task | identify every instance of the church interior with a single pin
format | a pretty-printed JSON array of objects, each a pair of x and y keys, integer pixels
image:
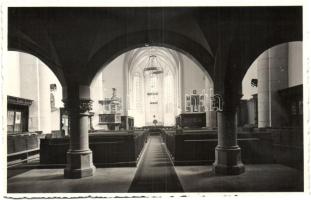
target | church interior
[{"x": 162, "y": 99}]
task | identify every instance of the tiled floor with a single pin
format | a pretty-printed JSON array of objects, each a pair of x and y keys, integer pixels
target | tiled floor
[
  {"x": 156, "y": 174},
  {"x": 52, "y": 181},
  {"x": 257, "y": 178}
]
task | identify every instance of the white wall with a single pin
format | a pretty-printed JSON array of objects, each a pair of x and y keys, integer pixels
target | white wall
[
  {"x": 29, "y": 78},
  {"x": 294, "y": 64},
  {"x": 112, "y": 77},
  {"x": 44, "y": 98},
  {"x": 193, "y": 77},
  {"x": 96, "y": 95},
  {"x": 247, "y": 89},
  {"x": 294, "y": 70},
  {"x": 29, "y": 86},
  {"x": 13, "y": 74},
  {"x": 55, "y": 120},
  {"x": 285, "y": 61}
]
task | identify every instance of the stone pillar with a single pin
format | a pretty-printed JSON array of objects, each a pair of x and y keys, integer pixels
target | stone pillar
[
  {"x": 228, "y": 85},
  {"x": 264, "y": 119},
  {"x": 227, "y": 152},
  {"x": 79, "y": 156},
  {"x": 278, "y": 64},
  {"x": 272, "y": 68}
]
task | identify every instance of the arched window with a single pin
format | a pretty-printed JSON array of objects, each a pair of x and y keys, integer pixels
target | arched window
[
  {"x": 153, "y": 83},
  {"x": 169, "y": 104},
  {"x": 169, "y": 93},
  {"x": 137, "y": 88}
]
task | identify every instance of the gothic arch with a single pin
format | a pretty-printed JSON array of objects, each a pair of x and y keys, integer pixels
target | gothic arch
[
  {"x": 161, "y": 38},
  {"x": 22, "y": 45}
]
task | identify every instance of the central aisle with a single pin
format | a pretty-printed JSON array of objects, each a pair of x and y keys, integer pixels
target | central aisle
[{"x": 155, "y": 172}]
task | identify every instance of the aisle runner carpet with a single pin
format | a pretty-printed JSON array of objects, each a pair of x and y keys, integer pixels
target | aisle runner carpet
[{"x": 155, "y": 172}]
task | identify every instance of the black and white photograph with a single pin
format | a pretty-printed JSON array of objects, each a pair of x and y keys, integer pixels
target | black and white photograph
[{"x": 154, "y": 99}]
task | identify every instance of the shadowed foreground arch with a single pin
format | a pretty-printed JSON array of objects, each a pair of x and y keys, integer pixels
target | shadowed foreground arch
[
  {"x": 131, "y": 41},
  {"x": 20, "y": 44},
  {"x": 291, "y": 34}
]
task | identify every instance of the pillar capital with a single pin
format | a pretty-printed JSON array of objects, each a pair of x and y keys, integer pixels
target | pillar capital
[
  {"x": 80, "y": 105},
  {"x": 85, "y": 105}
]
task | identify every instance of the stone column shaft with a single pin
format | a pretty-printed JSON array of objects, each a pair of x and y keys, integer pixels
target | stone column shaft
[
  {"x": 228, "y": 86},
  {"x": 227, "y": 128},
  {"x": 79, "y": 126},
  {"x": 79, "y": 156},
  {"x": 227, "y": 152},
  {"x": 272, "y": 68},
  {"x": 264, "y": 119}
]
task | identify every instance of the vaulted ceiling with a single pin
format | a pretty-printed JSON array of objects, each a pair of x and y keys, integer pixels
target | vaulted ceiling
[
  {"x": 165, "y": 58},
  {"x": 76, "y": 42}
]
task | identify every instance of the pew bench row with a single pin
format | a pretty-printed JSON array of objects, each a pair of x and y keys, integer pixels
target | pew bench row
[
  {"x": 109, "y": 149},
  {"x": 196, "y": 147}
]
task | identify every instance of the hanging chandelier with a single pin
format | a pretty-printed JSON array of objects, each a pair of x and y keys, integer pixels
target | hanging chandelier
[
  {"x": 153, "y": 66},
  {"x": 158, "y": 72}
]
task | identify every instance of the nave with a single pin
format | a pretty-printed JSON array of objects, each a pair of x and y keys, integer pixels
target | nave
[
  {"x": 155, "y": 172},
  {"x": 86, "y": 86}
]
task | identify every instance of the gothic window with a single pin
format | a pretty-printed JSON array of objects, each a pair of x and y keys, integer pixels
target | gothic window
[
  {"x": 169, "y": 93},
  {"x": 153, "y": 83},
  {"x": 137, "y": 92}
]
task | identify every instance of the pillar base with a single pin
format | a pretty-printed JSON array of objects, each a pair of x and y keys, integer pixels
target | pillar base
[
  {"x": 228, "y": 161},
  {"x": 79, "y": 164}
]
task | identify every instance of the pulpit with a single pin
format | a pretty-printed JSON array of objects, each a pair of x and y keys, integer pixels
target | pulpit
[
  {"x": 112, "y": 112},
  {"x": 112, "y": 121}
]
